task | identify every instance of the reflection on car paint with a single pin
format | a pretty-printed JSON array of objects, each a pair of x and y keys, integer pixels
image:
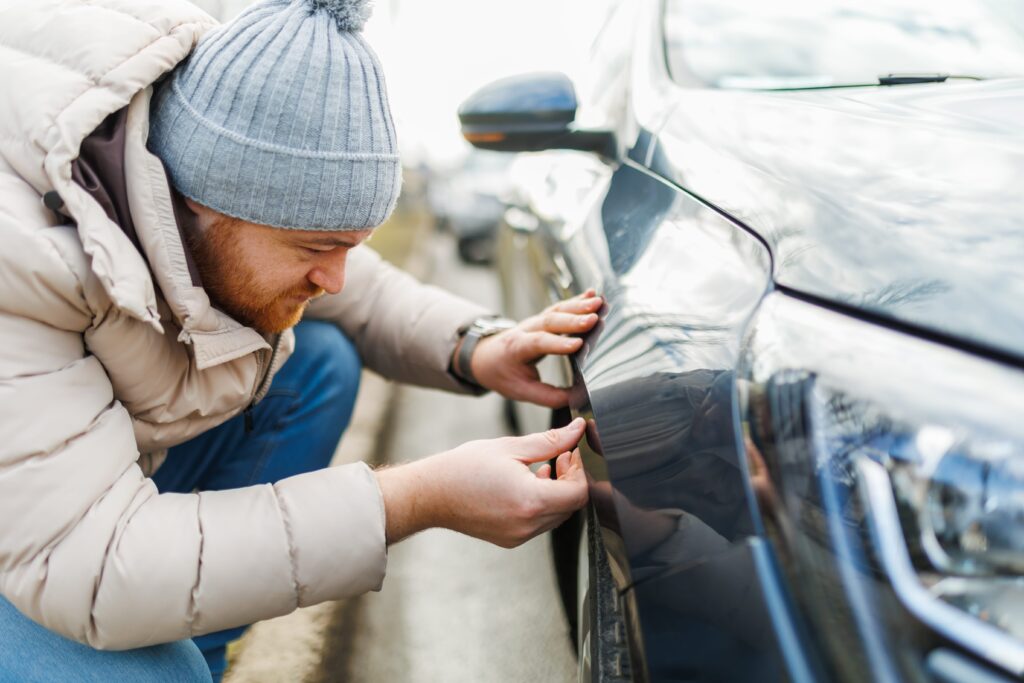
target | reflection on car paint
[
  {"x": 914, "y": 223},
  {"x": 667, "y": 485}
]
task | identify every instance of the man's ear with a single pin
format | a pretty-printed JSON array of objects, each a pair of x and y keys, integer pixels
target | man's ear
[
  {"x": 202, "y": 216},
  {"x": 194, "y": 207}
]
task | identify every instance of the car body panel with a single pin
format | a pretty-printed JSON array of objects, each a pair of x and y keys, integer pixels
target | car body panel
[
  {"x": 657, "y": 380},
  {"x": 716, "y": 620},
  {"x": 901, "y": 203},
  {"x": 654, "y": 384}
]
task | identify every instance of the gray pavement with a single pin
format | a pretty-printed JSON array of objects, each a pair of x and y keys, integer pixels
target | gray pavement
[{"x": 453, "y": 608}]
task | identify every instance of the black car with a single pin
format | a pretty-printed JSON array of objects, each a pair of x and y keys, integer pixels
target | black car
[{"x": 805, "y": 397}]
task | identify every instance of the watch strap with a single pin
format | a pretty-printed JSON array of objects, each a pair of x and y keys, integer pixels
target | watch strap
[
  {"x": 480, "y": 328},
  {"x": 462, "y": 365}
]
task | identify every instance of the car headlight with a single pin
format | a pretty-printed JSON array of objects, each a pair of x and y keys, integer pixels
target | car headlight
[{"x": 910, "y": 448}]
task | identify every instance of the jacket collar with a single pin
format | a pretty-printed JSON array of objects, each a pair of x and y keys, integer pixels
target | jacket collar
[{"x": 217, "y": 337}]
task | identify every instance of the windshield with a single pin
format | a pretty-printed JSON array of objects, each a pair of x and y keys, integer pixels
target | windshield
[{"x": 822, "y": 43}]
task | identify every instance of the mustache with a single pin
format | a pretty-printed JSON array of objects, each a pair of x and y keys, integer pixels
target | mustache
[{"x": 305, "y": 292}]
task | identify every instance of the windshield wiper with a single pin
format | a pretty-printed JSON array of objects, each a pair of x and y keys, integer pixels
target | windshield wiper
[
  {"x": 908, "y": 79},
  {"x": 889, "y": 79}
]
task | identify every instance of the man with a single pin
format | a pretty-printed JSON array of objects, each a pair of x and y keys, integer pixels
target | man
[{"x": 165, "y": 428}]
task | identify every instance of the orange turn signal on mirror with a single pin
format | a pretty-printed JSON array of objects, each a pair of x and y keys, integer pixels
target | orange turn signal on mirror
[{"x": 484, "y": 137}]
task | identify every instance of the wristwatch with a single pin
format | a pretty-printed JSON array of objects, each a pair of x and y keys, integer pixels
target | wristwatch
[{"x": 471, "y": 335}]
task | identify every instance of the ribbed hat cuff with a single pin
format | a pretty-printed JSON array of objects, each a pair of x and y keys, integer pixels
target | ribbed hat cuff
[{"x": 271, "y": 184}]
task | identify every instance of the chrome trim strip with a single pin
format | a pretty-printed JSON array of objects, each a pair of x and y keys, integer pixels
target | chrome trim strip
[{"x": 988, "y": 641}]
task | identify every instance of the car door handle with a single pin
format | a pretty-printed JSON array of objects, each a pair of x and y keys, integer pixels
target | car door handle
[{"x": 521, "y": 221}]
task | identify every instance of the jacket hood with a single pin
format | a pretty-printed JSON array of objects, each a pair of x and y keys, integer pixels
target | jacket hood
[
  {"x": 110, "y": 73},
  {"x": 82, "y": 84}
]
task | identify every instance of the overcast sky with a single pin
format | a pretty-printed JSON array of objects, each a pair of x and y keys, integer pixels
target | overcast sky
[{"x": 436, "y": 52}]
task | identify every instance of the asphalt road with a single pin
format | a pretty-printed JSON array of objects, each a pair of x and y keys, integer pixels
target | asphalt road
[{"x": 453, "y": 608}]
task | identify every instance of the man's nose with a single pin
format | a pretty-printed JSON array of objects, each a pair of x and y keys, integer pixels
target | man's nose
[{"x": 329, "y": 273}]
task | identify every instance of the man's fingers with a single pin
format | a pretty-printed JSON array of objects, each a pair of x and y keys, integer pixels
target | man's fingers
[
  {"x": 560, "y": 322},
  {"x": 562, "y": 464},
  {"x": 588, "y": 293},
  {"x": 534, "y": 345},
  {"x": 541, "y": 394},
  {"x": 544, "y": 471},
  {"x": 589, "y": 304},
  {"x": 577, "y": 306},
  {"x": 568, "y": 492},
  {"x": 546, "y": 445}
]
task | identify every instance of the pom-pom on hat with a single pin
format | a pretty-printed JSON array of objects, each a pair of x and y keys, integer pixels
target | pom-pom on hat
[
  {"x": 281, "y": 118},
  {"x": 351, "y": 15}
]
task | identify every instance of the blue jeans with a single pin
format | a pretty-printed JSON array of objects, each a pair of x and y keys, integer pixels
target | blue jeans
[{"x": 294, "y": 429}]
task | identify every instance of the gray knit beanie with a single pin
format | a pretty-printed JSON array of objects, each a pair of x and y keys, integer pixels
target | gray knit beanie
[{"x": 280, "y": 117}]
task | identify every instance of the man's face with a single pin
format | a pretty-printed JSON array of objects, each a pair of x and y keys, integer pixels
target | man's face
[{"x": 264, "y": 277}]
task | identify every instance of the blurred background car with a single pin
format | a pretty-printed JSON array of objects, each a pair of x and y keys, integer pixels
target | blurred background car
[
  {"x": 804, "y": 439},
  {"x": 468, "y": 200}
]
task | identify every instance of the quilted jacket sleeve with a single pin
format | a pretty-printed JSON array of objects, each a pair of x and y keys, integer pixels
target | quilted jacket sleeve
[
  {"x": 88, "y": 547},
  {"x": 404, "y": 330}
]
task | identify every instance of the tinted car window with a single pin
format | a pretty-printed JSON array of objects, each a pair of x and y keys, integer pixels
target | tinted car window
[{"x": 799, "y": 44}]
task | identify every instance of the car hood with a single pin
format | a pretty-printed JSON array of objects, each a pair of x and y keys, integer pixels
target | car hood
[{"x": 905, "y": 203}]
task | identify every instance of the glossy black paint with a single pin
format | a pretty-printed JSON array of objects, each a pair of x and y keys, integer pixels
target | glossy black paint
[
  {"x": 680, "y": 282},
  {"x": 902, "y": 203},
  {"x": 656, "y": 382},
  {"x": 708, "y": 621}
]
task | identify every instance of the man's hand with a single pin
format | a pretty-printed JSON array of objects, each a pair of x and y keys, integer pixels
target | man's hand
[
  {"x": 506, "y": 362},
  {"x": 486, "y": 489}
]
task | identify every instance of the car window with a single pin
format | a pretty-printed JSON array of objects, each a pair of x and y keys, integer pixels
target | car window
[{"x": 800, "y": 44}]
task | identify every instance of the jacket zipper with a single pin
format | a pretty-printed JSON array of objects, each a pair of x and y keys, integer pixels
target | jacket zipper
[{"x": 263, "y": 386}]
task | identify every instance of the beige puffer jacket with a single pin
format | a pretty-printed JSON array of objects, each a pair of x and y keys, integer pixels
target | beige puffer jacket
[{"x": 100, "y": 360}]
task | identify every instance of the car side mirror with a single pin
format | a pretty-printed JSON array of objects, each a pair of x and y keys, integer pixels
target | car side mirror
[{"x": 529, "y": 113}]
